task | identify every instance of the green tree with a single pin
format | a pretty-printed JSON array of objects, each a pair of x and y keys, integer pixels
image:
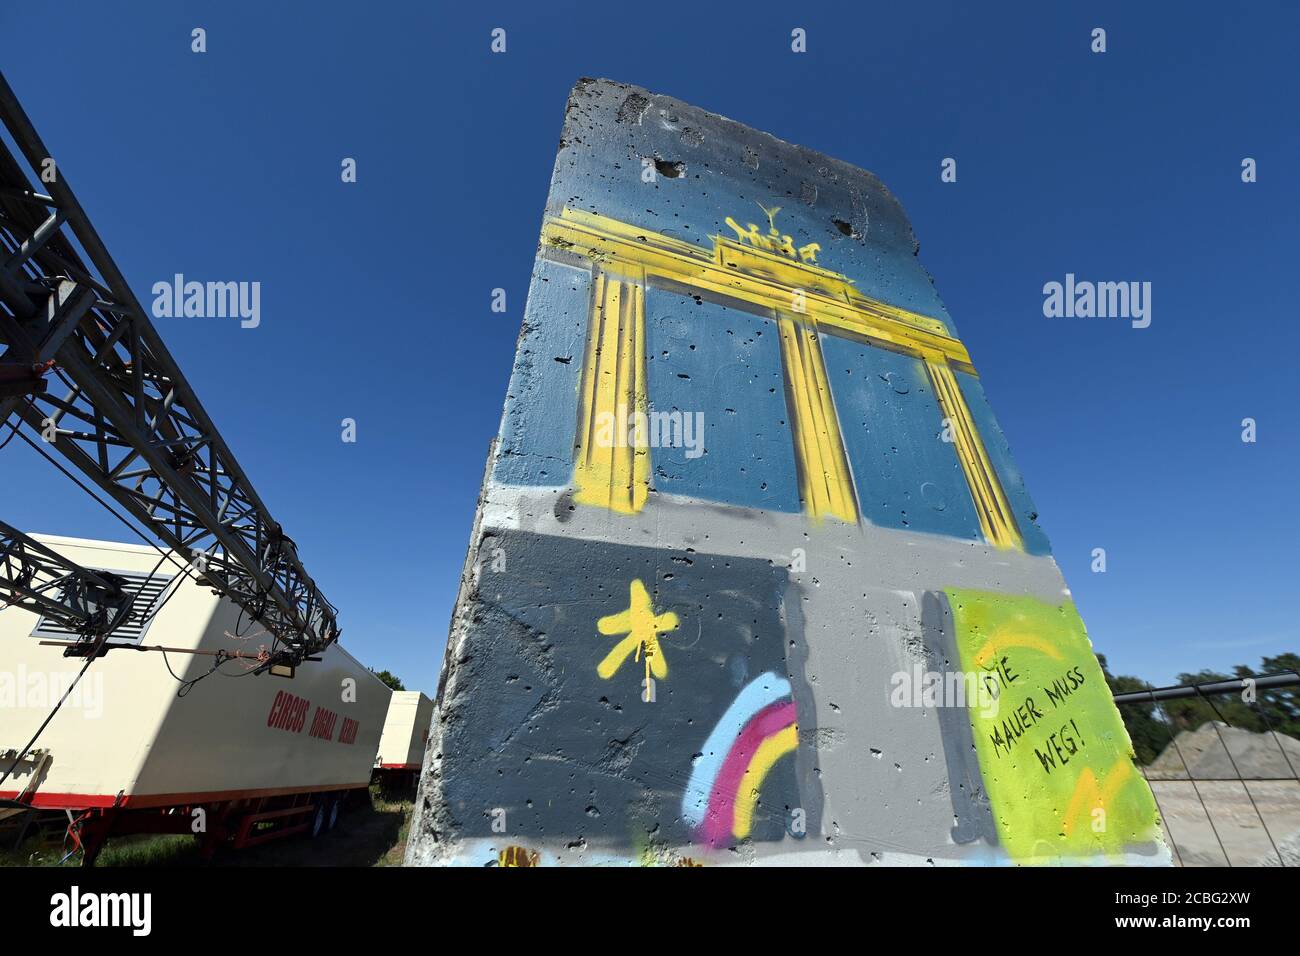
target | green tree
[
  {"x": 390, "y": 679},
  {"x": 1149, "y": 734},
  {"x": 1151, "y": 726},
  {"x": 1280, "y": 707},
  {"x": 1193, "y": 712}
]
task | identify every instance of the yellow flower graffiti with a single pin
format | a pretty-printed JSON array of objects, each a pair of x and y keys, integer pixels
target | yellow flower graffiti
[{"x": 642, "y": 626}]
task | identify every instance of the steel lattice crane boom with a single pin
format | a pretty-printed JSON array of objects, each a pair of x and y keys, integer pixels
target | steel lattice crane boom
[
  {"x": 128, "y": 420},
  {"x": 38, "y": 578}
]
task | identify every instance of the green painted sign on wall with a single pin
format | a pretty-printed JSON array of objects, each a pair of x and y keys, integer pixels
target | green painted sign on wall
[{"x": 1053, "y": 752}]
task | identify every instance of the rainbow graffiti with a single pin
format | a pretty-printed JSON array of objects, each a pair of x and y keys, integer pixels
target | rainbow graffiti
[{"x": 758, "y": 729}]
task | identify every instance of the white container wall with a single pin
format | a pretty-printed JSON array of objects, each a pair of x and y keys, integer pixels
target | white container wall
[
  {"x": 124, "y": 730},
  {"x": 405, "y": 731}
]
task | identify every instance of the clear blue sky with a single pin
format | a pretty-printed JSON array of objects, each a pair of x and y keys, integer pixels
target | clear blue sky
[{"x": 375, "y": 296}]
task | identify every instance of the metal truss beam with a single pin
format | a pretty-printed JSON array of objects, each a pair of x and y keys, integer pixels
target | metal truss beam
[
  {"x": 39, "y": 579},
  {"x": 128, "y": 419}
]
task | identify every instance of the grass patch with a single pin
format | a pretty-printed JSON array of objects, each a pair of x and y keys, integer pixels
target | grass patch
[{"x": 372, "y": 834}]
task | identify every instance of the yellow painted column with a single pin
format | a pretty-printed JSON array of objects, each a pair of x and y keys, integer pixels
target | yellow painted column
[
  {"x": 824, "y": 479},
  {"x": 996, "y": 518},
  {"x": 612, "y": 468}
]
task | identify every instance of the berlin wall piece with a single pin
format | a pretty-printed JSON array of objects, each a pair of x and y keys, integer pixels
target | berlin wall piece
[{"x": 754, "y": 578}]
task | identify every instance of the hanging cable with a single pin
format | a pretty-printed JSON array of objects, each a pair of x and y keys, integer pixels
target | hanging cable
[
  {"x": 13, "y": 426},
  {"x": 139, "y": 534},
  {"x": 188, "y": 685},
  {"x": 102, "y": 638},
  {"x": 46, "y": 722},
  {"x": 107, "y": 507}
]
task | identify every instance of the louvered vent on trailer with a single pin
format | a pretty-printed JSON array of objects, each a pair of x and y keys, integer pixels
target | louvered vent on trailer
[{"x": 146, "y": 591}]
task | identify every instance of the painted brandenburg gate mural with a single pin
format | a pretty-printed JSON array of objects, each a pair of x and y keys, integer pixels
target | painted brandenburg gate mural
[{"x": 754, "y": 578}]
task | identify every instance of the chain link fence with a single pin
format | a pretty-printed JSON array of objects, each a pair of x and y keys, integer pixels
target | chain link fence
[{"x": 1223, "y": 760}]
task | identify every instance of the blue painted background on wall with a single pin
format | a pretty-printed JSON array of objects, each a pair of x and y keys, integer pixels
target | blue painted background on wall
[
  {"x": 1000, "y": 455},
  {"x": 727, "y": 364},
  {"x": 704, "y": 357},
  {"x": 906, "y": 475},
  {"x": 537, "y": 427},
  {"x": 719, "y": 179}
]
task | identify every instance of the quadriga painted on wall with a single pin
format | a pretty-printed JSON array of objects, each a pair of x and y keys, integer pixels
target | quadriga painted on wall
[{"x": 754, "y": 577}]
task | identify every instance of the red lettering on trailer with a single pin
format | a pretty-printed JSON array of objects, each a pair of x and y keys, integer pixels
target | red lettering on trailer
[
  {"x": 288, "y": 712},
  {"x": 348, "y": 734},
  {"x": 275, "y": 709},
  {"x": 322, "y": 724}
]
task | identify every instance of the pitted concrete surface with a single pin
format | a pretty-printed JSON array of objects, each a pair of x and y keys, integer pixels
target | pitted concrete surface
[{"x": 666, "y": 653}]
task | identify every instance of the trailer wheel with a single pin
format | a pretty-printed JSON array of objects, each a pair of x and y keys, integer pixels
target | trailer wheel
[
  {"x": 318, "y": 820},
  {"x": 336, "y": 805}
]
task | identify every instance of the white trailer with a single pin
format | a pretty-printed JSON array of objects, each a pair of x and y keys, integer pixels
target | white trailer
[
  {"x": 406, "y": 731},
  {"x": 136, "y": 749}
]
